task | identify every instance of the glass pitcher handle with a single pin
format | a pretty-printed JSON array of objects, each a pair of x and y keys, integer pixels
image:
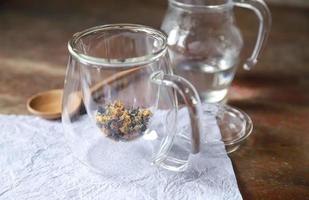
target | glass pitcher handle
[
  {"x": 191, "y": 99},
  {"x": 262, "y": 11}
]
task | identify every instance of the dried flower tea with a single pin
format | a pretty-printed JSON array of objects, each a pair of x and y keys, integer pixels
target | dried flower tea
[{"x": 120, "y": 123}]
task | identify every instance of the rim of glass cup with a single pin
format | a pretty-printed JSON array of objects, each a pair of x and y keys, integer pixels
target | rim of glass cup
[
  {"x": 128, "y": 62},
  {"x": 221, "y": 5}
]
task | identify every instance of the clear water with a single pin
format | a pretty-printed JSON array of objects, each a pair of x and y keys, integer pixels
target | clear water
[{"x": 211, "y": 82}]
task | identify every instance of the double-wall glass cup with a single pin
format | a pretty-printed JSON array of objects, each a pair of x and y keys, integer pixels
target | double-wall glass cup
[{"x": 120, "y": 101}]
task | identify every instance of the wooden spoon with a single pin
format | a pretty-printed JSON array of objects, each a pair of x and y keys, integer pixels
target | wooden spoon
[{"x": 48, "y": 104}]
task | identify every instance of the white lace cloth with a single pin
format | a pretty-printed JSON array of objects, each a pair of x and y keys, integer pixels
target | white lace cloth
[{"x": 36, "y": 164}]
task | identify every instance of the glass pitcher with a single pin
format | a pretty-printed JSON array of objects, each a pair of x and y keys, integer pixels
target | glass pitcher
[
  {"x": 119, "y": 103},
  {"x": 204, "y": 42}
]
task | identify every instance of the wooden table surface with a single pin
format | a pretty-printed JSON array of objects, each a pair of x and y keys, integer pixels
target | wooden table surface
[{"x": 272, "y": 164}]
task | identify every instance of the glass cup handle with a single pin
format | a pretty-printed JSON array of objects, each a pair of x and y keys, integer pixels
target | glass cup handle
[
  {"x": 191, "y": 99},
  {"x": 262, "y": 11}
]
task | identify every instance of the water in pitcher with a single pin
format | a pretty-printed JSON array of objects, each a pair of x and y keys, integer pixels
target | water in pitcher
[{"x": 211, "y": 80}]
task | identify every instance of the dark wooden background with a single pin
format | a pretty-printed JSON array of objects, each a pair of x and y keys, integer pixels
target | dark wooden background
[{"x": 272, "y": 164}]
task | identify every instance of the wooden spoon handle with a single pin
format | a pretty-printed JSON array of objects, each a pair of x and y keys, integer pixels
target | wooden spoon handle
[{"x": 113, "y": 78}]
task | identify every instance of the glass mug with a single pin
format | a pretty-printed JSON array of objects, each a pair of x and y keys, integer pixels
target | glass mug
[
  {"x": 120, "y": 103},
  {"x": 204, "y": 42}
]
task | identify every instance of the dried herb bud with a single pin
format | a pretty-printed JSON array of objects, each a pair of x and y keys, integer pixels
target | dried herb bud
[
  {"x": 101, "y": 110},
  {"x": 120, "y": 123}
]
